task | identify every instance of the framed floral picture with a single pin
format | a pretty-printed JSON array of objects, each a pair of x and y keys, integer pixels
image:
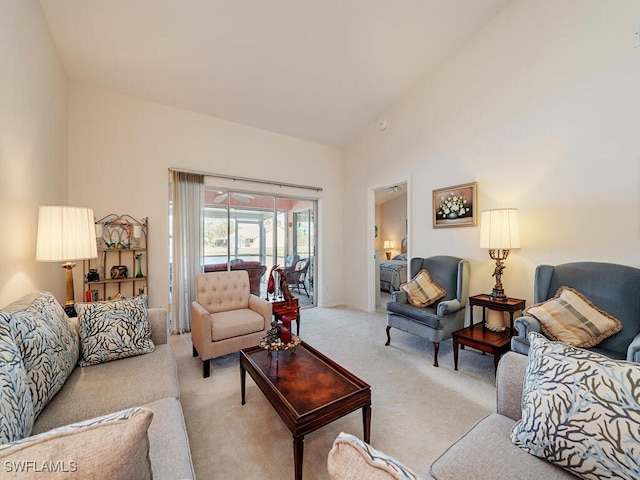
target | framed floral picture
[{"x": 455, "y": 206}]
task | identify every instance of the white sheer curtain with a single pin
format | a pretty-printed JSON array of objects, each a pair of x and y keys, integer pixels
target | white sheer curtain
[{"x": 188, "y": 202}]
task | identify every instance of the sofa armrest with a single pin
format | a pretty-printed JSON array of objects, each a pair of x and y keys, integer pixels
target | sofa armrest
[
  {"x": 525, "y": 325},
  {"x": 159, "y": 325},
  {"x": 352, "y": 459},
  {"x": 633, "y": 351},
  {"x": 448, "y": 306},
  {"x": 509, "y": 384},
  {"x": 263, "y": 307},
  {"x": 399, "y": 296}
]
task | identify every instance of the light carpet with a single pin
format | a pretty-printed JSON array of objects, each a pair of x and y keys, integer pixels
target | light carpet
[{"x": 418, "y": 410}]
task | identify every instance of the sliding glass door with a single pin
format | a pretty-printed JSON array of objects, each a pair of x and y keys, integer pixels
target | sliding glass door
[{"x": 254, "y": 231}]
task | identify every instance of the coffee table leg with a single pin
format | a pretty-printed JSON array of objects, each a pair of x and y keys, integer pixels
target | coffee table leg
[
  {"x": 366, "y": 422},
  {"x": 298, "y": 450},
  {"x": 243, "y": 377},
  {"x": 455, "y": 355}
]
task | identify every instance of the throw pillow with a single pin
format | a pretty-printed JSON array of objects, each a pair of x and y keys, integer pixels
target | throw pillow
[
  {"x": 111, "y": 446},
  {"x": 422, "y": 291},
  {"x": 113, "y": 329},
  {"x": 569, "y": 317},
  {"x": 16, "y": 404},
  {"x": 352, "y": 459},
  {"x": 48, "y": 345},
  {"x": 580, "y": 411}
]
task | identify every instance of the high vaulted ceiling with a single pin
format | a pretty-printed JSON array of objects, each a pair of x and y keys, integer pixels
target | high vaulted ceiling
[{"x": 320, "y": 70}]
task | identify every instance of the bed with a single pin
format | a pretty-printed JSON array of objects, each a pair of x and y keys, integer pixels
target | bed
[{"x": 393, "y": 273}]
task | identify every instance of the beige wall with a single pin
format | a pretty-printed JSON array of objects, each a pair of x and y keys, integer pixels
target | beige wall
[
  {"x": 540, "y": 108},
  {"x": 120, "y": 150},
  {"x": 33, "y": 146}
]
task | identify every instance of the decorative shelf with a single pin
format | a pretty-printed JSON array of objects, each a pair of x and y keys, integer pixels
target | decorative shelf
[{"x": 121, "y": 241}]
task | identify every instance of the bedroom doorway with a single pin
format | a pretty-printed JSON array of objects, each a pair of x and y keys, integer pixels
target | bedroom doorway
[{"x": 391, "y": 241}]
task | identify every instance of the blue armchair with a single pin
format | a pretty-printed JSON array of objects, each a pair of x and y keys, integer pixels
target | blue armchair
[
  {"x": 437, "y": 321},
  {"x": 610, "y": 287}
]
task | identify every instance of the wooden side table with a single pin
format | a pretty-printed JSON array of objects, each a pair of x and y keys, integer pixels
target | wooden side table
[
  {"x": 476, "y": 336},
  {"x": 480, "y": 337},
  {"x": 511, "y": 305},
  {"x": 282, "y": 308}
]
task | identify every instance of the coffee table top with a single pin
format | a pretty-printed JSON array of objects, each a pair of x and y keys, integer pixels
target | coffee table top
[{"x": 307, "y": 389}]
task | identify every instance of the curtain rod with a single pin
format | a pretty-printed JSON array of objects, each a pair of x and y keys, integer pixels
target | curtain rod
[{"x": 245, "y": 179}]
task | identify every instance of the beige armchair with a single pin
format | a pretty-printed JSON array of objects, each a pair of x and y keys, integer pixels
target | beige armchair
[{"x": 226, "y": 316}]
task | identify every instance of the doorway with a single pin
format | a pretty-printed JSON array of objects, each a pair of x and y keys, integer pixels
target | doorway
[{"x": 389, "y": 209}]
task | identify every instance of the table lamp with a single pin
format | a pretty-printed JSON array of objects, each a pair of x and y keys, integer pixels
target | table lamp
[
  {"x": 500, "y": 233},
  {"x": 65, "y": 234},
  {"x": 388, "y": 245}
]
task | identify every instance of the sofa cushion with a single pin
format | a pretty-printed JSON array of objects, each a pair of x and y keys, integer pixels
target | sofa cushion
[
  {"x": 580, "y": 411},
  {"x": 486, "y": 453},
  {"x": 112, "y": 446},
  {"x": 113, "y": 329},
  {"x": 47, "y": 341},
  {"x": 569, "y": 317},
  {"x": 352, "y": 459},
  {"x": 235, "y": 323},
  {"x": 112, "y": 386},
  {"x": 16, "y": 404},
  {"x": 422, "y": 291}
]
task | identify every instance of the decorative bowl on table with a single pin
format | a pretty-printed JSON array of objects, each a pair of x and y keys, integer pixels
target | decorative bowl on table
[{"x": 277, "y": 345}]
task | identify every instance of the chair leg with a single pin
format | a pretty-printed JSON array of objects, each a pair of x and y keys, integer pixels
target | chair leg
[
  {"x": 436, "y": 347},
  {"x": 305, "y": 289},
  {"x": 195, "y": 352},
  {"x": 205, "y": 368},
  {"x": 388, "y": 336}
]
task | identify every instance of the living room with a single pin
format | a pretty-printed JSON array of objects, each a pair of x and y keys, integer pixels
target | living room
[{"x": 539, "y": 107}]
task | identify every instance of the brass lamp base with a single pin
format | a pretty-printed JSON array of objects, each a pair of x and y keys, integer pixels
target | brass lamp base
[
  {"x": 70, "y": 300},
  {"x": 498, "y": 295},
  {"x": 499, "y": 256}
]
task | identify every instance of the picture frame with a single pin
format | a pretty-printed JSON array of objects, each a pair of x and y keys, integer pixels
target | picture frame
[{"x": 455, "y": 206}]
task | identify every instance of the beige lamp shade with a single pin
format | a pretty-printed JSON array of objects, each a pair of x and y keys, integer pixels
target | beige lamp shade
[
  {"x": 388, "y": 244},
  {"x": 65, "y": 233},
  {"x": 500, "y": 229}
]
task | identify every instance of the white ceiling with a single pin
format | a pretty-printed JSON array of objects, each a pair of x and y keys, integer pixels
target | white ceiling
[{"x": 320, "y": 70}]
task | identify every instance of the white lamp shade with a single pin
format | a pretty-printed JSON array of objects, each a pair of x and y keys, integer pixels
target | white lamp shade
[
  {"x": 388, "y": 244},
  {"x": 500, "y": 229},
  {"x": 65, "y": 233}
]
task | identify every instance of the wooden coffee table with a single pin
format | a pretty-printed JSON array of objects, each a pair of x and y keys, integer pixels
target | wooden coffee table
[{"x": 307, "y": 389}]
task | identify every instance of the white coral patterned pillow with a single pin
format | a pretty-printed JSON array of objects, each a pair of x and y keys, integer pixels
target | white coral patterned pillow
[
  {"x": 16, "y": 404},
  {"x": 580, "y": 411},
  {"x": 48, "y": 345},
  {"x": 113, "y": 330}
]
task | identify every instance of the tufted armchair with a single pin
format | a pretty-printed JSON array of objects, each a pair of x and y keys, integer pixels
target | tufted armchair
[
  {"x": 610, "y": 287},
  {"x": 435, "y": 322},
  {"x": 225, "y": 316}
]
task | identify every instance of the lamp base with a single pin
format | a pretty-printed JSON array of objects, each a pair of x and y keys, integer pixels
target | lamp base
[
  {"x": 70, "y": 300},
  {"x": 498, "y": 295},
  {"x": 388, "y": 255}
]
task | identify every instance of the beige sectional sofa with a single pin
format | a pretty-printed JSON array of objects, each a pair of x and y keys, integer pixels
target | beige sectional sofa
[
  {"x": 562, "y": 413},
  {"x": 147, "y": 380}
]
